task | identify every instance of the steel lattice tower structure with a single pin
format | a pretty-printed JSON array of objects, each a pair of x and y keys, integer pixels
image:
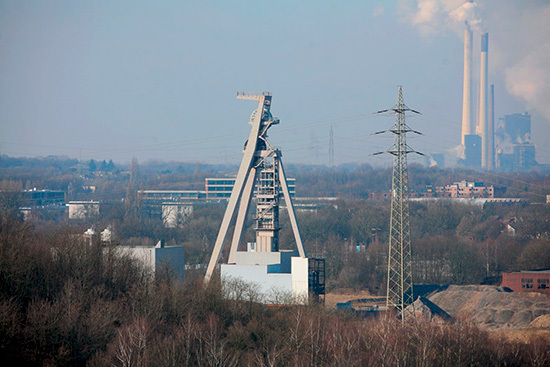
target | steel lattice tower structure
[
  {"x": 261, "y": 176},
  {"x": 399, "y": 282}
]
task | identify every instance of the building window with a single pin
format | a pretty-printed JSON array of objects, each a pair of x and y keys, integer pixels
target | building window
[
  {"x": 526, "y": 283},
  {"x": 543, "y": 283}
]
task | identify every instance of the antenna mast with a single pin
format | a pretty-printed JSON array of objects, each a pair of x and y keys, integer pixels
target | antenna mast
[{"x": 399, "y": 282}]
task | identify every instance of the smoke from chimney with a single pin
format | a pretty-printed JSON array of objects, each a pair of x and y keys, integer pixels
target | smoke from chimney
[{"x": 520, "y": 42}]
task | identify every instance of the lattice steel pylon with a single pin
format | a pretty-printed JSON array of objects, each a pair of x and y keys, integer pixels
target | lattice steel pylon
[{"x": 399, "y": 282}]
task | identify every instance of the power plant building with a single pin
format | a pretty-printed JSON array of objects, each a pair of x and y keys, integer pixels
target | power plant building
[
  {"x": 515, "y": 152},
  {"x": 506, "y": 147},
  {"x": 517, "y": 127}
]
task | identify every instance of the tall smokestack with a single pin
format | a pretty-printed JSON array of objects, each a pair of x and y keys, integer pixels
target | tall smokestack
[
  {"x": 467, "y": 121},
  {"x": 491, "y": 150},
  {"x": 483, "y": 105}
]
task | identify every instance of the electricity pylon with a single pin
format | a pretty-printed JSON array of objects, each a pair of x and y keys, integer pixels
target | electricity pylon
[{"x": 399, "y": 283}]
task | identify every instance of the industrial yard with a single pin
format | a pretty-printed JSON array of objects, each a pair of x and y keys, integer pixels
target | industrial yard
[{"x": 498, "y": 310}]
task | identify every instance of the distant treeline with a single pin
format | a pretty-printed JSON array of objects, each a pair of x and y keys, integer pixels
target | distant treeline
[{"x": 345, "y": 181}]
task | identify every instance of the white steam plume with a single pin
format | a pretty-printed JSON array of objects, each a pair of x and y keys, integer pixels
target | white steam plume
[
  {"x": 468, "y": 12},
  {"x": 528, "y": 77},
  {"x": 433, "y": 16},
  {"x": 519, "y": 43}
]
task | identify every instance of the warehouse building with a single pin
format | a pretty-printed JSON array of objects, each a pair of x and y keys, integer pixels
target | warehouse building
[{"x": 528, "y": 281}]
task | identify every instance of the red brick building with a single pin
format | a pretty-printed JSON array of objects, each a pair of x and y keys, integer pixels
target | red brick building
[
  {"x": 468, "y": 189},
  {"x": 528, "y": 281},
  {"x": 462, "y": 190}
]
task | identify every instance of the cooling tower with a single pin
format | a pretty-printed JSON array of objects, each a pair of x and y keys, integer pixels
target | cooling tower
[
  {"x": 467, "y": 121},
  {"x": 483, "y": 102}
]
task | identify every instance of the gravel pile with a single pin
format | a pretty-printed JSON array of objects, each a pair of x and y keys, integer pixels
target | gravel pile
[{"x": 494, "y": 307}]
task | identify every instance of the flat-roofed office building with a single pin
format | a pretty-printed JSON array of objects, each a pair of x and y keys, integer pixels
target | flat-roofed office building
[{"x": 220, "y": 188}]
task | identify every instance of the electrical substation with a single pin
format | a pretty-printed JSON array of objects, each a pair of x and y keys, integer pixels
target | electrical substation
[{"x": 279, "y": 276}]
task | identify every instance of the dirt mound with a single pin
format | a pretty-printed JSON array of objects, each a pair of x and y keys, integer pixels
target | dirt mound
[
  {"x": 542, "y": 321},
  {"x": 493, "y": 307},
  {"x": 425, "y": 309}
]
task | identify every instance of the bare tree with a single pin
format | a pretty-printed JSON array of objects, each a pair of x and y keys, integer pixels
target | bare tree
[{"x": 131, "y": 344}]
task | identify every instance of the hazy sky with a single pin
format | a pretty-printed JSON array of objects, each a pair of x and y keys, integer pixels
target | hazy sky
[{"x": 157, "y": 79}]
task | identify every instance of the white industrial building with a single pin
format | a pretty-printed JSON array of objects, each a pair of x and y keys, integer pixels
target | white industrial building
[
  {"x": 152, "y": 258},
  {"x": 278, "y": 277},
  {"x": 155, "y": 257}
]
